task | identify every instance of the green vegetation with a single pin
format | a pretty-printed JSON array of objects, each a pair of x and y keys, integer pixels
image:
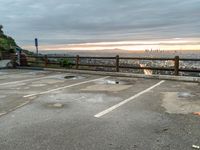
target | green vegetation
[
  {"x": 7, "y": 44},
  {"x": 27, "y": 52},
  {"x": 66, "y": 63}
]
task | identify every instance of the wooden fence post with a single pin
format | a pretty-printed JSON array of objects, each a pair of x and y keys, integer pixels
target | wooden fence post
[
  {"x": 46, "y": 60},
  {"x": 117, "y": 63},
  {"x": 77, "y": 61},
  {"x": 176, "y": 65},
  {"x": 14, "y": 61}
]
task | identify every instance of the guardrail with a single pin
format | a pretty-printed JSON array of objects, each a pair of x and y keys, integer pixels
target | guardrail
[{"x": 47, "y": 61}]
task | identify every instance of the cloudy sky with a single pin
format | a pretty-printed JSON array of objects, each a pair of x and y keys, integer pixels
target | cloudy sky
[{"x": 103, "y": 24}]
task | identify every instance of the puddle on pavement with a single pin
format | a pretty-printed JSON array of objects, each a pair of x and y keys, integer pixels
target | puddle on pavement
[
  {"x": 35, "y": 73},
  {"x": 48, "y": 81},
  {"x": 3, "y": 73},
  {"x": 180, "y": 102},
  {"x": 73, "y": 77},
  {"x": 185, "y": 95},
  {"x": 112, "y": 85},
  {"x": 55, "y": 105},
  {"x": 38, "y": 85},
  {"x": 113, "y": 82},
  {"x": 2, "y": 96},
  {"x": 69, "y": 77}
]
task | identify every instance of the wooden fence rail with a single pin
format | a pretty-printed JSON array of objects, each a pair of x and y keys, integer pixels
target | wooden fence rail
[{"x": 47, "y": 60}]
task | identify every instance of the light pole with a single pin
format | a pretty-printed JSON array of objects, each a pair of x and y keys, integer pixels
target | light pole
[{"x": 36, "y": 45}]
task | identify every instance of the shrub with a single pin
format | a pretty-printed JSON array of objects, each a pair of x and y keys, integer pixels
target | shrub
[{"x": 65, "y": 63}]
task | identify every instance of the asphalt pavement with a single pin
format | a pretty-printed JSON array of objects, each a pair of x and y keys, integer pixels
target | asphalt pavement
[{"x": 48, "y": 110}]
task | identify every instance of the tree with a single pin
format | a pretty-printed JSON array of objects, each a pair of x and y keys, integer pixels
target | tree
[
  {"x": 7, "y": 43},
  {"x": 1, "y": 27}
]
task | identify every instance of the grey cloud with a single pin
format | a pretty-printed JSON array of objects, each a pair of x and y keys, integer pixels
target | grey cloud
[{"x": 76, "y": 21}]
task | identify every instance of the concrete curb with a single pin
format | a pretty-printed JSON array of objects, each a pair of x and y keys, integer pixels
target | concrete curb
[
  {"x": 32, "y": 68},
  {"x": 120, "y": 74}
]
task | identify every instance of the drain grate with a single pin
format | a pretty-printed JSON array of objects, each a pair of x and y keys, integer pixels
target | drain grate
[{"x": 72, "y": 77}]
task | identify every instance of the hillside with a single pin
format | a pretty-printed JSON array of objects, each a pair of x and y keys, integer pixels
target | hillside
[{"x": 7, "y": 43}]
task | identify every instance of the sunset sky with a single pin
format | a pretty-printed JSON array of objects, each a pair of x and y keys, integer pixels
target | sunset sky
[{"x": 103, "y": 24}]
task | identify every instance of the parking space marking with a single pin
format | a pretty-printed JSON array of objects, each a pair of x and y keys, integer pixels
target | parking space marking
[
  {"x": 127, "y": 100},
  {"x": 3, "y": 113},
  {"x": 12, "y": 73},
  {"x": 27, "y": 80},
  {"x": 13, "y": 109},
  {"x": 64, "y": 87}
]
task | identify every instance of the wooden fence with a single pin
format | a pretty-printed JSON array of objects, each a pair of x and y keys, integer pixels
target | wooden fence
[{"x": 47, "y": 61}]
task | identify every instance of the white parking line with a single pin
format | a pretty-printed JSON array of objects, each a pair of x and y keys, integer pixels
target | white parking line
[
  {"x": 21, "y": 81},
  {"x": 126, "y": 101},
  {"x": 3, "y": 113},
  {"x": 3, "y": 73},
  {"x": 64, "y": 87},
  {"x": 13, "y": 109}
]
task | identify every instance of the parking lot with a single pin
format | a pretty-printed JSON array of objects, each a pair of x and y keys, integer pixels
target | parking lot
[{"x": 48, "y": 110}]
